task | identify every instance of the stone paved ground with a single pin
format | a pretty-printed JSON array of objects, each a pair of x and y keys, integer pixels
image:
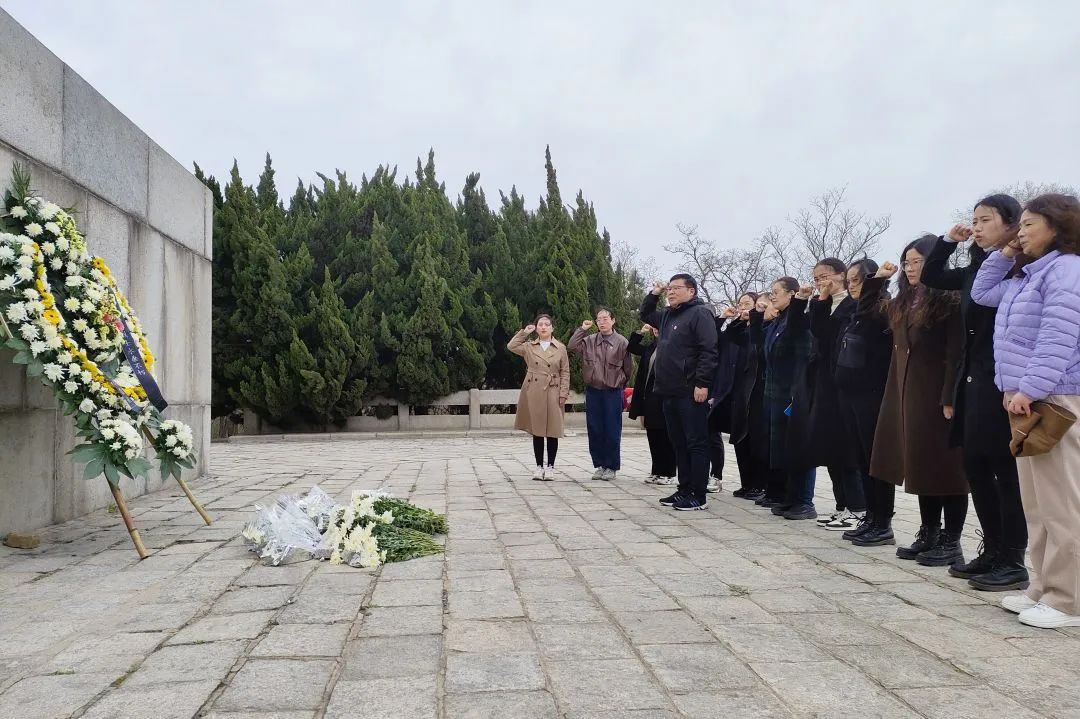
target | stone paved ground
[{"x": 563, "y": 599}]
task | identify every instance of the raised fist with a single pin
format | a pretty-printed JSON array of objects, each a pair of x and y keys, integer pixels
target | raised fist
[
  {"x": 658, "y": 287},
  {"x": 587, "y": 325},
  {"x": 646, "y": 329},
  {"x": 886, "y": 271},
  {"x": 804, "y": 292},
  {"x": 960, "y": 232},
  {"x": 530, "y": 329},
  {"x": 728, "y": 312}
]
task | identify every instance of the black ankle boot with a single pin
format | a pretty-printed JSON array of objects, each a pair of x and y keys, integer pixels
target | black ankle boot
[
  {"x": 945, "y": 553},
  {"x": 1007, "y": 574},
  {"x": 985, "y": 560},
  {"x": 925, "y": 539},
  {"x": 878, "y": 536},
  {"x": 865, "y": 525}
]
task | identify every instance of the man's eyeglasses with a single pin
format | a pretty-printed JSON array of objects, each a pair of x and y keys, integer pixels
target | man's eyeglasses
[{"x": 677, "y": 287}]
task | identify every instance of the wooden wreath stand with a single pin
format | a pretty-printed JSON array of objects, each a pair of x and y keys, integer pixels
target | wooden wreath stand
[{"x": 118, "y": 496}]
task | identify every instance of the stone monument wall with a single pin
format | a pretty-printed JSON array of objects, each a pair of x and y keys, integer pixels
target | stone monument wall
[{"x": 150, "y": 219}]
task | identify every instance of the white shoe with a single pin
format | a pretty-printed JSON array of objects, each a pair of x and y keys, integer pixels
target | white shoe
[
  {"x": 538, "y": 475},
  {"x": 651, "y": 479},
  {"x": 599, "y": 473},
  {"x": 1046, "y": 617},
  {"x": 549, "y": 473},
  {"x": 831, "y": 518},
  {"x": 713, "y": 486},
  {"x": 847, "y": 520},
  {"x": 1017, "y": 603},
  {"x": 666, "y": 481},
  {"x": 609, "y": 475}
]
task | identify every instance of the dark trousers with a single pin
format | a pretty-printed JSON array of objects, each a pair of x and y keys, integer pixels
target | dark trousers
[
  {"x": 753, "y": 469},
  {"x": 603, "y": 418},
  {"x": 847, "y": 487},
  {"x": 716, "y": 454},
  {"x": 954, "y": 507},
  {"x": 800, "y": 486},
  {"x": 995, "y": 492},
  {"x": 880, "y": 500},
  {"x": 688, "y": 428},
  {"x": 662, "y": 453}
]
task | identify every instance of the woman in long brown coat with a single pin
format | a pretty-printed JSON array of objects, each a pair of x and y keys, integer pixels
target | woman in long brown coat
[
  {"x": 911, "y": 445},
  {"x": 544, "y": 392}
]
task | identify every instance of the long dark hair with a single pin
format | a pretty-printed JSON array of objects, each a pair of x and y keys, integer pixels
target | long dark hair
[
  {"x": 923, "y": 305},
  {"x": 1008, "y": 209}
]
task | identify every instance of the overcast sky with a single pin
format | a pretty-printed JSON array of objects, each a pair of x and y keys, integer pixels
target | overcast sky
[{"x": 728, "y": 115}]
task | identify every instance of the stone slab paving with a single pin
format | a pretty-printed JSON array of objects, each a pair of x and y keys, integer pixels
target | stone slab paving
[{"x": 570, "y": 598}]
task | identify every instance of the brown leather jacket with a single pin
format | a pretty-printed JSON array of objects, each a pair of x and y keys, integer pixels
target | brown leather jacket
[{"x": 605, "y": 361}]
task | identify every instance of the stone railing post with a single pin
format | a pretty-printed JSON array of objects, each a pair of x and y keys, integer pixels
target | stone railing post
[
  {"x": 474, "y": 409},
  {"x": 404, "y": 421}
]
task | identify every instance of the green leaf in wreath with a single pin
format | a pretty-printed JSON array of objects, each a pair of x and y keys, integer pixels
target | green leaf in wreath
[
  {"x": 14, "y": 343},
  {"x": 87, "y": 452},
  {"x": 94, "y": 468},
  {"x": 34, "y": 369},
  {"x": 111, "y": 474},
  {"x": 139, "y": 466},
  {"x": 22, "y": 358}
]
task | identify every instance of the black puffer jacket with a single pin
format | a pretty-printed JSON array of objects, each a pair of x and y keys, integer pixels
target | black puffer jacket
[{"x": 687, "y": 346}]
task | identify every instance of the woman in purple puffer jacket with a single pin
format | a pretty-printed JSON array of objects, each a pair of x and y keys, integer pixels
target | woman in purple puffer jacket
[{"x": 1037, "y": 357}]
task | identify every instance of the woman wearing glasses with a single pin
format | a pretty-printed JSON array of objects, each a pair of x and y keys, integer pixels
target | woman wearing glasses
[{"x": 911, "y": 445}]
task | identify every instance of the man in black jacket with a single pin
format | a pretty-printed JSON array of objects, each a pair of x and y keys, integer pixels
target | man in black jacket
[{"x": 686, "y": 359}]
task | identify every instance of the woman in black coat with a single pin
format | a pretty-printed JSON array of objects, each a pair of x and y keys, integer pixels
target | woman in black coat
[
  {"x": 648, "y": 407},
  {"x": 981, "y": 424},
  {"x": 737, "y": 377},
  {"x": 860, "y": 370},
  {"x": 749, "y": 421}
]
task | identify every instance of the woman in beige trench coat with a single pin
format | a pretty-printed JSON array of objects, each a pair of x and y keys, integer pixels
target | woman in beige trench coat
[{"x": 544, "y": 392}]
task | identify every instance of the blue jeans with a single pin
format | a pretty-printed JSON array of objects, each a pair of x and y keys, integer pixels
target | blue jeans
[
  {"x": 603, "y": 418},
  {"x": 688, "y": 428},
  {"x": 800, "y": 486}
]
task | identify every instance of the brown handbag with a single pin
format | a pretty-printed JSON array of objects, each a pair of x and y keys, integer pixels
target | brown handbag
[{"x": 1039, "y": 432}]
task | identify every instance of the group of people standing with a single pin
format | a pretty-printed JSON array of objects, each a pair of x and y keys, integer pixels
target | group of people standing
[{"x": 916, "y": 387}]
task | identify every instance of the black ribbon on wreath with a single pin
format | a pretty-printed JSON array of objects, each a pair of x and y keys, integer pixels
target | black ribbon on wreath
[{"x": 149, "y": 384}]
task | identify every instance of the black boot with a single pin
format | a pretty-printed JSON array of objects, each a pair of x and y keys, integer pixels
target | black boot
[
  {"x": 983, "y": 562},
  {"x": 945, "y": 553},
  {"x": 879, "y": 534},
  {"x": 925, "y": 539},
  {"x": 1008, "y": 573},
  {"x": 865, "y": 525}
]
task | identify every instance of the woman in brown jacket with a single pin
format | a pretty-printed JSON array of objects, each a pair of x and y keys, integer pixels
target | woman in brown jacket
[
  {"x": 544, "y": 392},
  {"x": 911, "y": 444}
]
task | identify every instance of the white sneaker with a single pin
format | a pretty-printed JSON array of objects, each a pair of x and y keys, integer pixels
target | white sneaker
[
  {"x": 651, "y": 479},
  {"x": 713, "y": 486},
  {"x": 1017, "y": 603},
  {"x": 666, "y": 481},
  {"x": 1046, "y": 617},
  {"x": 847, "y": 520},
  {"x": 549, "y": 473},
  {"x": 609, "y": 475},
  {"x": 599, "y": 473},
  {"x": 539, "y": 473},
  {"x": 831, "y": 518}
]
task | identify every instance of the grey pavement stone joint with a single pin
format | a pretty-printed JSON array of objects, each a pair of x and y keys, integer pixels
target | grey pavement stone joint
[{"x": 570, "y": 598}]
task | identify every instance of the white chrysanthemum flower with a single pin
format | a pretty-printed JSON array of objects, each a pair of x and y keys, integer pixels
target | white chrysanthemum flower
[
  {"x": 34, "y": 307},
  {"x": 25, "y": 261},
  {"x": 71, "y": 304},
  {"x": 18, "y": 212},
  {"x": 30, "y": 293},
  {"x": 104, "y": 414},
  {"x": 48, "y": 211},
  {"x": 62, "y": 244},
  {"x": 7, "y": 283},
  {"x": 55, "y": 264},
  {"x": 108, "y": 432},
  {"x": 70, "y": 387},
  {"x": 52, "y": 228},
  {"x": 179, "y": 452},
  {"x": 88, "y": 307},
  {"x": 64, "y": 357},
  {"x": 90, "y": 334},
  {"x": 38, "y": 347},
  {"x": 26, "y": 246},
  {"x": 72, "y": 269},
  {"x": 79, "y": 325},
  {"x": 48, "y": 248},
  {"x": 115, "y": 445},
  {"x": 55, "y": 343},
  {"x": 74, "y": 369},
  {"x": 54, "y": 372},
  {"x": 98, "y": 275},
  {"x": 25, "y": 274},
  {"x": 7, "y": 254},
  {"x": 171, "y": 440},
  {"x": 29, "y": 332},
  {"x": 87, "y": 406},
  {"x": 33, "y": 229},
  {"x": 73, "y": 280},
  {"x": 86, "y": 377}
]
